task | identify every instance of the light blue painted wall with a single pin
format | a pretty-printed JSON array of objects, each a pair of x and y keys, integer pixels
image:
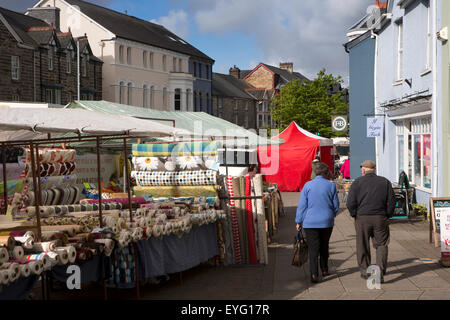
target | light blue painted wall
[
  {"x": 414, "y": 64},
  {"x": 361, "y": 102}
]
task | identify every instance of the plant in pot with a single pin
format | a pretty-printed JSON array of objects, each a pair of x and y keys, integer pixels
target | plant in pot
[{"x": 420, "y": 209}]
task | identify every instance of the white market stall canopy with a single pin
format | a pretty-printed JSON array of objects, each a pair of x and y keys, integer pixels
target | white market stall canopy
[
  {"x": 24, "y": 124},
  {"x": 323, "y": 141}
]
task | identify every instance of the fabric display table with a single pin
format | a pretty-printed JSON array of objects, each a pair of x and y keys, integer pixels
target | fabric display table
[
  {"x": 96, "y": 269},
  {"x": 19, "y": 289},
  {"x": 171, "y": 254}
]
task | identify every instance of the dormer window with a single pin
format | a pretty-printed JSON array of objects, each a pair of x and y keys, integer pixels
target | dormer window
[{"x": 51, "y": 57}]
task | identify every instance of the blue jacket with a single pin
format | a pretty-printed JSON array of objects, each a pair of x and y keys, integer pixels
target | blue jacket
[{"x": 318, "y": 204}]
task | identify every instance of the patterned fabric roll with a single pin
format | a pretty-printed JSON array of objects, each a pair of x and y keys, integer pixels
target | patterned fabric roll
[
  {"x": 177, "y": 191},
  {"x": 47, "y": 155},
  {"x": 183, "y": 178},
  {"x": 47, "y": 211},
  {"x": 52, "y": 169},
  {"x": 174, "y": 149},
  {"x": 176, "y": 163},
  {"x": 234, "y": 221},
  {"x": 53, "y": 182}
]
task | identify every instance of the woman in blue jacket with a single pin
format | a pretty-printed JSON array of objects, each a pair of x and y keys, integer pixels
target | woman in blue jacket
[{"x": 317, "y": 208}]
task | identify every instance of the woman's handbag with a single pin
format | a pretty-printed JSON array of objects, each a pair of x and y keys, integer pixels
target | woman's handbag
[{"x": 300, "y": 250}]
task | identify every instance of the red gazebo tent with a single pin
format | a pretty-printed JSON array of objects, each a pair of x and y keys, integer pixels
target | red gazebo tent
[{"x": 289, "y": 164}]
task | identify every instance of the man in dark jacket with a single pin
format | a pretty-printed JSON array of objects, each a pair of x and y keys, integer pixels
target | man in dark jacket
[{"x": 371, "y": 202}]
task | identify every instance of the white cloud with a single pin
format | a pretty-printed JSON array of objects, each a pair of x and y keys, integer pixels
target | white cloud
[
  {"x": 309, "y": 33},
  {"x": 177, "y": 22}
]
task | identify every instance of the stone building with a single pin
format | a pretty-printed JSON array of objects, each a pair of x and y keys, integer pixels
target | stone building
[
  {"x": 39, "y": 63},
  {"x": 265, "y": 81},
  {"x": 231, "y": 102}
]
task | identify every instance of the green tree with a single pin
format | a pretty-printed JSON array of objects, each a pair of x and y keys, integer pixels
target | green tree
[{"x": 309, "y": 104}]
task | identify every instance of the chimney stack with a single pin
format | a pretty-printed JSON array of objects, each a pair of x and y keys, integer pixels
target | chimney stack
[
  {"x": 51, "y": 15},
  {"x": 235, "y": 72},
  {"x": 289, "y": 66}
]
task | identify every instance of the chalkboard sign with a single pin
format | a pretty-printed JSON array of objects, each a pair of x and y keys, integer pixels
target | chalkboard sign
[{"x": 437, "y": 207}]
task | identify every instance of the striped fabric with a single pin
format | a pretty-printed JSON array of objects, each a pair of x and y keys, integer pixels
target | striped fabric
[
  {"x": 174, "y": 149},
  {"x": 237, "y": 246},
  {"x": 178, "y": 178}
]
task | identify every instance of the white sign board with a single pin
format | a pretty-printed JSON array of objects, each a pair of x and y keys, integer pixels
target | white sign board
[
  {"x": 375, "y": 127},
  {"x": 445, "y": 233},
  {"x": 86, "y": 168}
]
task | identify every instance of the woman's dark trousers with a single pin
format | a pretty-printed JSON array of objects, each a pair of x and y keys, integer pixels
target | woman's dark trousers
[{"x": 318, "y": 245}]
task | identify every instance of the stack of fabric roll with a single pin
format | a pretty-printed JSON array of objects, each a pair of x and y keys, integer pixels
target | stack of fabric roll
[
  {"x": 175, "y": 169},
  {"x": 15, "y": 181}
]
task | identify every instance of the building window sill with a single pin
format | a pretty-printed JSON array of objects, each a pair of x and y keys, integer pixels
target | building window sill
[
  {"x": 420, "y": 188},
  {"x": 425, "y": 72},
  {"x": 398, "y": 82}
]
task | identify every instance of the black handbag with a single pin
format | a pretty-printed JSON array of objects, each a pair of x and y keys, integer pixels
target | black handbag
[{"x": 300, "y": 250}]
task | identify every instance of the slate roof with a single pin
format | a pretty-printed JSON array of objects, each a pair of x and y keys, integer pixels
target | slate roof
[
  {"x": 228, "y": 86},
  {"x": 261, "y": 94},
  {"x": 286, "y": 75},
  {"x": 20, "y": 23},
  {"x": 135, "y": 29}
]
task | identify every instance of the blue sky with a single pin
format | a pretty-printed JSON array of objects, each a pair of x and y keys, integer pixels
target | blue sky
[{"x": 309, "y": 33}]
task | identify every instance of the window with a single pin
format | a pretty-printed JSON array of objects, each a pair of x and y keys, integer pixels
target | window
[
  {"x": 122, "y": 92},
  {"x": 428, "y": 36},
  {"x": 199, "y": 70},
  {"x": 260, "y": 121},
  {"x": 188, "y": 100},
  {"x": 69, "y": 97},
  {"x": 236, "y": 113},
  {"x": 177, "y": 99},
  {"x": 180, "y": 65},
  {"x": 15, "y": 97},
  {"x": 164, "y": 58},
  {"x": 220, "y": 106},
  {"x": 246, "y": 114},
  {"x": 152, "y": 96},
  {"x": 50, "y": 57},
  {"x": 165, "y": 97},
  {"x": 129, "y": 56},
  {"x": 53, "y": 96},
  {"x": 145, "y": 96},
  {"x": 200, "y": 98},
  {"x": 207, "y": 71},
  {"x": 414, "y": 156},
  {"x": 15, "y": 67},
  {"x": 69, "y": 62},
  {"x": 144, "y": 59},
  {"x": 195, "y": 69},
  {"x": 195, "y": 100},
  {"x": 174, "y": 67},
  {"x": 399, "y": 50},
  {"x": 130, "y": 88},
  {"x": 151, "y": 60},
  {"x": 121, "y": 59},
  {"x": 84, "y": 65},
  {"x": 207, "y": 103}
]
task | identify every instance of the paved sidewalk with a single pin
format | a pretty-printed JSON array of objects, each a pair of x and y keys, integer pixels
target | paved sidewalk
[{"x": 407, "y": 277}]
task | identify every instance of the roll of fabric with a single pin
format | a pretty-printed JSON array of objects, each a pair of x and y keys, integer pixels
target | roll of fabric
[
  {"x": 46, "y": 211},
  {"x": 170, "y": 191},
  {"x": 53, "y": 182},
  {"x": 261, "y": 220},
  {"x": 109, "y": 245},
  {"x": 71, "y": 253},
  {"x": 249, "y": 216},
  {"x": 44, "y": 246},
  {"x": 47, "y": 155},
  {"x": 13, "y": 270},
  {"x": 53, "y": 258},
  {"x": 234, "y": 220},
  {"x": 139, "y": 200},
  {"x": 51, "y": 169},
  {"x": 26, "y": 241},
  {"x": 174, "y": 149},
  {"x": 177, "y": 178},
  {"x": 4, "y": 255},
  {"x": 36, "y": 266},
  {"x": 8, "y": 242},
  {"x": 17, "y": 253},
  {"x": 4, "y": 277},
  {"x": 147, "y": 163},
  {"x": 44, "y": 257},
  {"x": 14, "y": 171},
  {"x": 239, "y": 216},
  {"x": 157, "y": 230},
  {"x": 25, "y": 270},
  {"x": 13, "y": 186},
  {"x": 71, "y": 230},
  {"x": 63, "y": 256}
]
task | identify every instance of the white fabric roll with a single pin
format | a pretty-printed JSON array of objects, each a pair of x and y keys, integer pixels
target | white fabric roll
[
  {"x": 53, "y": 258},
  {"x": 4, "y": 276},
  {"x": 157, "y": 230},
  {"x": 25, "y": 270},
  {"x": 71, "y": 252},
  {"x": 148, "y": 231},
  {"x": 13, "y": 270},
  {"x": 63, "y": 256},
  {"x": 26, "y": 241},
  {"x": 4, "y": 255},
  {"x": 46, "y": 262},
  {"x": 36, "y": 266},
  {"x": 44, "y": 246},
  {"x": 17, "y": 253}
]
